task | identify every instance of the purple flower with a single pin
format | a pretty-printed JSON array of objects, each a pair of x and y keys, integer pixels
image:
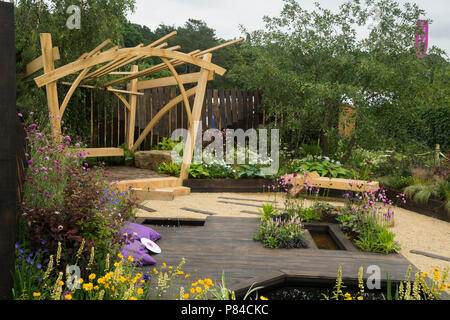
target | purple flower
[{"x": 30, "y": 162}]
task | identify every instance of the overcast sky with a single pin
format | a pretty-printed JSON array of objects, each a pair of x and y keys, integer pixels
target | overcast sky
[{"x": 225, "y": 16}]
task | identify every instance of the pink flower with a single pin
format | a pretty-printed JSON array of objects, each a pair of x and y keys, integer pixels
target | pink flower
[{"x": 20, "y": 115}]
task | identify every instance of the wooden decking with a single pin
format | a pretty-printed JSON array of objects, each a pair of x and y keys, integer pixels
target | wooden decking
[
  {"x": 226, "y": 244},
  {"x": 120, "y": 173}
]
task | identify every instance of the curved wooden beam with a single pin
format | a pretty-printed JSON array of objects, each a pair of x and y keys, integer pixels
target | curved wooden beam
[
  {"x": 72, "y": 90},
  {"x": 121, "y": 97},
  {"x": 78, "y": 65},
  {"x": 81, "y": 76},
  {"x": 159, "y": 115},
  {"x": 183, "y": 91}
]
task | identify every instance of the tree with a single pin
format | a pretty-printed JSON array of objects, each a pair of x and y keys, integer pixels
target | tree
[
  {"x": 309, "y": 65},
  {"x": 100, "y": 20}
]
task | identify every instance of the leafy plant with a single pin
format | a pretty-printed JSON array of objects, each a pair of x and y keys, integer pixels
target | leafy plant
[
  {"x": 198, "y": 171},
  {"x": 309, "y": 215},
  {"x": 326, "y": 169},
  {"x": 167, "y": 144},
  {"x": 169, "y": 168}
]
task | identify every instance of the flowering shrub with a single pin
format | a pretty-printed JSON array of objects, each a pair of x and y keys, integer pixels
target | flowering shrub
[
  {"x": 66, "y": 201},
  {"x": 280, "y": 230},
  {"x": 366, "y": 218}
]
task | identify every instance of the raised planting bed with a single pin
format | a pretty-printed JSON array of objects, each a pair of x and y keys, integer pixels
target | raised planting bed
[{"x": 228, "y": 185}]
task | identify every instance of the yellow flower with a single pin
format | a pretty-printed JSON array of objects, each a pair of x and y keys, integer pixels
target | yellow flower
[
  {"x": 201, "y": 281},
  {"x": 359, "y": 298},
  {"x": 206, "y": 287},
  {"x": 180, "y": 272},
  {"x": 92, "y": 276},
  {"x": 101, "y": 280},
  {"x": 155, "y": 271},
  {"x": 198, "y": 289},
  {"x": 164, "y": 265},
  {"x": 81, "y": 281},
  {"x": 87, "y": 286},
  {"x": 68, "y": 297},
  {"x": 120, "y": 256},
  {"x": 112, "y": 288},
  {"x": 441, "y": 287},
  {"x": 61, "y": 283},
  {"x": 122, "y": 279},
  {"x": 116, "y": 264},
  {"x": 425, "y": 274},
  {"x": 192, "y": 290},
  {"x": 186, "y": 296},
  {"x": 96, "y": 288},
  {"x": 194, "y": 284},
  {"x": 263, "y": 298},
  {"x": 133, "y": 298},
  {"x": 130, "y": 258},
  {"x": 36, "y": 294},
  {"x": 142, "y": 281},
  {"x": 140, "y": 291},
  {"x": 186, "y": 276},
  {"x": 170, "y": 267},
  {"x": 138, "y": 275},
  {"x": 209, "y": 282}
]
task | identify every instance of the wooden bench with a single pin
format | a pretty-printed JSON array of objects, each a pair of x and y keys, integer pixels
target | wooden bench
[{"x": 315, "y": 180}]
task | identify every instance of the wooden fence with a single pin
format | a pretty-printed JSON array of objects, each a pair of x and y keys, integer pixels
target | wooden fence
[{"x": 221, "y": 109}]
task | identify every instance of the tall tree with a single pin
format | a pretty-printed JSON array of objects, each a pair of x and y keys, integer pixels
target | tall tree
[
  {"x": 310, "y": 64},
  {"x": 100, "y": 19}
]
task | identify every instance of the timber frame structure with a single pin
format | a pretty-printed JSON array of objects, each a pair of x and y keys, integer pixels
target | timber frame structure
[{"x": 97, "y": 63}]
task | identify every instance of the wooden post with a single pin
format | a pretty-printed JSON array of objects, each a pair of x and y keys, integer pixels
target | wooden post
[
  {"x": 132, "y": 86},
  {"x": 51, "y": 88},
  {"x": 196, "y": 118},
  {"x": 8, "y": 163}
]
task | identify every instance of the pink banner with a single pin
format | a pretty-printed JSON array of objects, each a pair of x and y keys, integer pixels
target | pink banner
[{"x": 422, "y": 38}]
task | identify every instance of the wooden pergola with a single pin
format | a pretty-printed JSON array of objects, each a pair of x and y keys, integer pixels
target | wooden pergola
[{"x": 102, "y": 62}]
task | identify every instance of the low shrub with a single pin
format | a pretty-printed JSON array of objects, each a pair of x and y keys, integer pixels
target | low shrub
[
  {"x": 170, "y": 168},
  {"x": 366, "y": 218},
  {"x": 65, "y": 201},
  {"x": 280, "y": 230}
]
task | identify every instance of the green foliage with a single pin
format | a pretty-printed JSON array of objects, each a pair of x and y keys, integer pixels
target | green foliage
[
  {"x": 250, "y": 171},
  {"x": 100, "y": 20},
  {"x": 166, "y": 144},
  {"x": 171, "y": 169},
  {"x": 197, "y": 171},
  {"x": 310, "y": 64},
  {"x": 268, "y": 210},
  {"x": 396, "y": 182},
  {"x": 326, "y": 169},
  {"x": 369, "y": 235},
  {"x": 309, "y": 215},
  {"x": 433, "y": 125},
  {"x": 280, "y": 230}
]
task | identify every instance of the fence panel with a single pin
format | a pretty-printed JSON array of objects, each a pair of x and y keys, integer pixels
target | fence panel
[{"x": 229, "y": 109}]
